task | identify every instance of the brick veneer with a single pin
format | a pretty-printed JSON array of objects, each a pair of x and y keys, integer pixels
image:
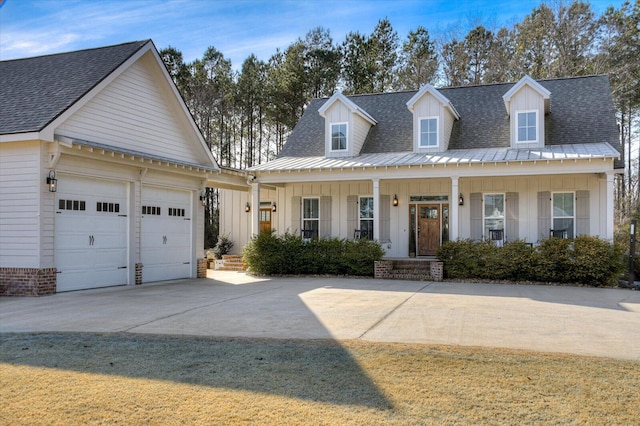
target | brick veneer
[
  {"x": 202, "y": 268},
  {"x": 139, "y": 273},
  {"x": 421, "y": 270},
  {"x": 27, "y": 281}
]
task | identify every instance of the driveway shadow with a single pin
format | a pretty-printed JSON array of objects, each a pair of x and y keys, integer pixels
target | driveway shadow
[{"x": 320, "y": 370}]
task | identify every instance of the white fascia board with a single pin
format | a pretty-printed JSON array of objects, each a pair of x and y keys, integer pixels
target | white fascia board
[
  {"x": 352, "y": 106},
  {"x": 526, "y": 80},
  {"x": 512, "y": 168},
  {"x": 183, "y": 106},
  {"x": 19, "y": 137},
  {"x": 439, "y": 96}
]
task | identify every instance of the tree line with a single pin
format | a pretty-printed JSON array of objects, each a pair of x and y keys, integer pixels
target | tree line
[{"x": 245, "y": 116}]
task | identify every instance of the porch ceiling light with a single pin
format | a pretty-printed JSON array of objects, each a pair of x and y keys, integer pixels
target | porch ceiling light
[
  {"x": 247, "y": 207},
  {"x": 395, "y": 200},
  {"x": 461, "y": 200},
  {"x": 52, "y": 182}
]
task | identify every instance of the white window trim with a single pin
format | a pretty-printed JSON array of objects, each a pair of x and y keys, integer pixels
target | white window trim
[
  {"x": 360, "y": 219},
  {"x": 419, "y": 132},
  {"x": 525, "y": 111},
  {"x": 553, "y": 217},
  {"x": 303, "y": 219},
  {"x": 346, "y": 123},
  {"x": 504, "y": 213}
]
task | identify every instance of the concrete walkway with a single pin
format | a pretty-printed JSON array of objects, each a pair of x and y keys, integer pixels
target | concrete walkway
[{"x": 583, "y": 321}]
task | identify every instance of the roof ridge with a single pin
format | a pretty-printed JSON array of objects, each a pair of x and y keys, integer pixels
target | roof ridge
[{"x": 141, "y": 42}]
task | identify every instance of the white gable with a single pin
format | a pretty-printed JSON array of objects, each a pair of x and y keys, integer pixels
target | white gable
[
  {"x": 138, "y": 111},
  {"x": 340, "y": 110},
  {"x": 430, "y": 104},
  {"x": 533, "y": 86}
]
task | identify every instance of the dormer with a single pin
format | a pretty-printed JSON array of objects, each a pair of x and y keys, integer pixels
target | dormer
[
  {"x": 433, "y": 117},
  {"x": 527, "y": 102},
  {"x": 346, "y": 126}
]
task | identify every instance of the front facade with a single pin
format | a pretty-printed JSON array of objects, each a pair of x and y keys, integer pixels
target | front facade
[
  {"x": 502, "y": 162},
  {"x": 101, "y": 173}
]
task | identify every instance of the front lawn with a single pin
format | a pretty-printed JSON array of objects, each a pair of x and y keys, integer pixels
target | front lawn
[{"x": 137, "y": 379}]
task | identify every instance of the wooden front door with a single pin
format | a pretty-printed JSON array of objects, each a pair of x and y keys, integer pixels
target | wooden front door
[
  {"x": 265, "y": 220},
  {"x": 428, "y": 229}
]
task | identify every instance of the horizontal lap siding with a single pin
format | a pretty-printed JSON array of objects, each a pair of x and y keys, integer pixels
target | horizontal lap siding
[
  {"x": 133, "y": 113},
  {"x": 19, "y": 204}
]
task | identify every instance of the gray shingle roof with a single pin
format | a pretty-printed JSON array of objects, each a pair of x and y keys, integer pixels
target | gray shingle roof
[
  {"x": 581, "y": 111},
  {"x": 34, "y": 91}
]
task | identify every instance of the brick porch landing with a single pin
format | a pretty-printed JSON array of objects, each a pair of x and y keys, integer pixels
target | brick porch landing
[{"x": 428, "y": 269}]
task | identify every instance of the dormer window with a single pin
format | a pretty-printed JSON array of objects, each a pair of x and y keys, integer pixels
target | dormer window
[
  {"x": 338, "y": 136},
  {"x": 527, "y": 103},
  {"x": 429, "y": 132},
  {"x": 527, "y": 130}
]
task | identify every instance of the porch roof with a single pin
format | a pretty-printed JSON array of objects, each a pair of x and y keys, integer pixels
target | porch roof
[{"x": 586, "y": 151}]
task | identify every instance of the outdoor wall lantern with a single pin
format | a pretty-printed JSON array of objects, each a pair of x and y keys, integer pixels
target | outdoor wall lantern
[
  {"x": 395, "y": 200},
  {"x": 203, "y": 199},
  {"x": 273, "y": 207},
  {"x": 461, "y": 200},
  {"x": 52, "y": 182},
  {"x": 247, "y": 207}
]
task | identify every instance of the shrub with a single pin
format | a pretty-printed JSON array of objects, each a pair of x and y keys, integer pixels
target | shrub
[
  {"x": 594, "y": 261},
  {"x": 586, "y": 260},
  {"x": 552, "y": 261},
  {"x": 270, "y": 254},
  {"x": 223, "y": 246}
]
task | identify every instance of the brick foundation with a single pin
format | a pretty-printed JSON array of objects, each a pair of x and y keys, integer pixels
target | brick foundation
[
  {"x": 139, "y": 273},
  {"x": 409, "y": 269},
  {"x": 202, "y": 267},
  {"x": 27, "y": 281}
]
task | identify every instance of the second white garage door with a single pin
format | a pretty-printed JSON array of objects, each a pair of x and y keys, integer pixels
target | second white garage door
[{"x": 166, "y": 234}]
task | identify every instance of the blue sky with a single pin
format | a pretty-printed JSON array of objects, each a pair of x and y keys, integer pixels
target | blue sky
[{"x": 236, "y": 28}]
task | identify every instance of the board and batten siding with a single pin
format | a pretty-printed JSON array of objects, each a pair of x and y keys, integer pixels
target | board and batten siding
[
  {"x": 21, "y": 183},
  {"x": 360, "y": 130},
  {"x": 136, "y": 112},
  {"x": 527, "y": 99},
  {"x": 429, "y": 106}
]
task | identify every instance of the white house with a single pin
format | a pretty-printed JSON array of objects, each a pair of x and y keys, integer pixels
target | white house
[
  {"x": 413, "y": 169},
  {"x": 101, "y": 171}
]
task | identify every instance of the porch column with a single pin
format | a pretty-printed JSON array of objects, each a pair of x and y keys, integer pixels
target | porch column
[
  {"x": 376, "y": 208},
  {"x": 453, "y": 209},
  {"x": 255, "y": 209},
  {"x": 609, "y": 197}
]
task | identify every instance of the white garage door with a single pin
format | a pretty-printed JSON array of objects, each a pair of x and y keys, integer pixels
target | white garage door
[
  {"x": 90, "y": 233},
  {"x": 166, "y": 234}
]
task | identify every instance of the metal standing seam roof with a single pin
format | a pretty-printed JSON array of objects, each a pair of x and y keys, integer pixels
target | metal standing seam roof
[
  {"x": 581, "y": 113},
  {"x": 602, "y": 150}
]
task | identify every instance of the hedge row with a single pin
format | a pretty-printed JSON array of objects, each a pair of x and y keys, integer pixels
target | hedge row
[
  {"x": 270, "y": 254},
  {"x": 586, "y": 260}
]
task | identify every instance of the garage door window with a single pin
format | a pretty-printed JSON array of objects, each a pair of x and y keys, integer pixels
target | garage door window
[
  {"x": 176, "y": 212},
  {"x": 151, "y": 210},
  {"x": 71, "y": 205},
  {"x": 108, "y": 207}
]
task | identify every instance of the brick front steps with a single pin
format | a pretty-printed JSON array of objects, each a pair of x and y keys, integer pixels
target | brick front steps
[
  {"x": 232, "y": 262},
  {"x": 409, "y": 269}
]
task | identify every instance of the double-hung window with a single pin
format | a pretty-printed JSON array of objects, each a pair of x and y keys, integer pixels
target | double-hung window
[
  {"x": 366, "y": 217},
  {"x": 429, "y": 132},
  {"x": 311, "y": 217},
  {"x": 564, "y": 212},
  {"x": 527, "y": 122},
  {"x": 493, "y": 217},
  {"x": 338, "y": 136}
]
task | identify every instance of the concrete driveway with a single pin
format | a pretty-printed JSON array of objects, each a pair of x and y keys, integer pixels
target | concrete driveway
[{"x": 584, "y": 321}]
